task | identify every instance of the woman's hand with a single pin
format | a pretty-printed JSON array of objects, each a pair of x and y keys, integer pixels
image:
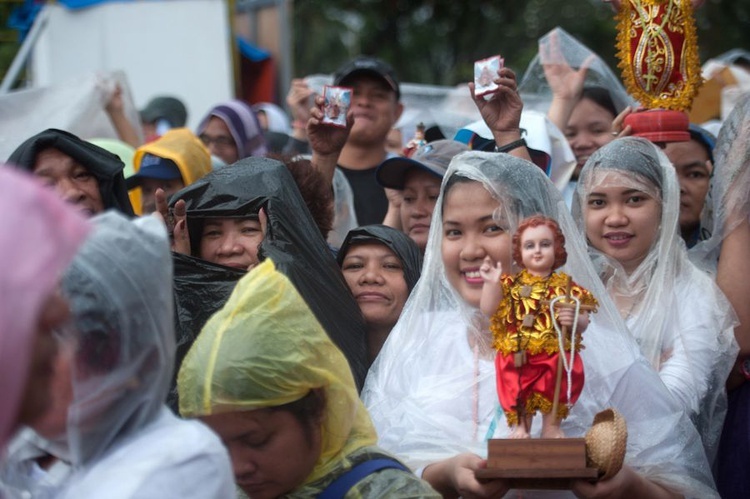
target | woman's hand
[
  {"x": 455, "y": 477},
  {"x": 175, "y": 221},
  {"x": 502, "y": 112},
  {"x": 625, "y": 484},
  {"x": 619, "y": 129},
  {"x": 263, "y": 219},
  {"x": 565, "y": 82}
]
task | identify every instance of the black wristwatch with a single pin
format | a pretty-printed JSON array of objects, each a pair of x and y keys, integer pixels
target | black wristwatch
[{"x": 509, "y": 147}]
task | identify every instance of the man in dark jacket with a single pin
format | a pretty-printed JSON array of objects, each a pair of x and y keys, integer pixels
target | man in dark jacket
[{"x": 83, "y": 174}]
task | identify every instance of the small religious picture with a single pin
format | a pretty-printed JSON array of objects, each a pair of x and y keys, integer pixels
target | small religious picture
[
  {"x": 485, "y": 72},
  {"x": 337, "y": 102}
]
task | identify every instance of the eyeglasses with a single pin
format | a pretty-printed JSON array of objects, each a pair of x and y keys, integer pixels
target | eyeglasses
[{"x": 221, "y": 142}]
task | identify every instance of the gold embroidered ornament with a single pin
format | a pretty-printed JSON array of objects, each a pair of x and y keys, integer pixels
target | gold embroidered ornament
[{"x": 658, "y": 51}]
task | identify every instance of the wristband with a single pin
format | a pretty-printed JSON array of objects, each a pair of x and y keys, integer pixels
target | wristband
[
  {"x": 509, "y": 147},
  {"x": 299, "y": 124}
]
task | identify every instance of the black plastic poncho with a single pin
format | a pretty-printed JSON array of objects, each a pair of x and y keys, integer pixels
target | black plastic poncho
[
  {"x": 292, "y": 240},
  {"x": 402, "y": 246},
  {"x": 105, "y": 166}
]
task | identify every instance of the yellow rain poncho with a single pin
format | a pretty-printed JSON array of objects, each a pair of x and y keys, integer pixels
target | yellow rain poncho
[
  {"x": 181, "y": 146},
  {"x": 265, "y": 349}
]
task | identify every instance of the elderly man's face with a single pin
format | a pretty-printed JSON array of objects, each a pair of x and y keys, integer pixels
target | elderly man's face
[{"x": 74, "y": 183}]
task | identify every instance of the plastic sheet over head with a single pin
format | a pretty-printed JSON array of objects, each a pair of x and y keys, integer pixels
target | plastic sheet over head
[
  {"x": 431, "y": 392},
  {"x": 40, "y": 236},
  {"x": 397, "y": 241},
  {"x": 680, "y": 319},
  {"x": 559, "y": 47},
  {"x": 266, "y": 349},
  {"x": 292, "y": 240},
  {"x": 105, "y": 166},
  {"x": 728, "y": 200},
  {"x": 635, "y": 163},
  {"x": 121, "y": 300}
]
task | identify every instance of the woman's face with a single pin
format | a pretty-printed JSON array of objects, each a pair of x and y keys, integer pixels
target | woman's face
[
  {"x": 621, "y": 221},
  {"x": 589, "y": 128},
  {"x": 469, "y": 235},
  {"x": 232, "y": 242},
  {"x": 376, "y": 277},
  {"x": 421, "y": 190},
  {"x": 218, "y": 139},
  {"x": 271, "y": 452}
]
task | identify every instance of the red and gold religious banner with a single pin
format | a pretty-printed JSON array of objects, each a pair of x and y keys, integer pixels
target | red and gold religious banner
[{"x": 658, "y": 52}]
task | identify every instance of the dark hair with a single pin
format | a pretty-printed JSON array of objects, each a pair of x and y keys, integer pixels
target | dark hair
[
  {"x": 308, "y": 411},
  {"x": 561, "y": 256},
  {"x": 601, "y": 97},
  {"x": 315, "y": 191}
]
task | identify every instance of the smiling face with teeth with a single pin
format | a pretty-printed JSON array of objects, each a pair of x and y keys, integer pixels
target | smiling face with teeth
[
  {"x": 469, "y": 235},
  {"x": 622, "y": 218}
]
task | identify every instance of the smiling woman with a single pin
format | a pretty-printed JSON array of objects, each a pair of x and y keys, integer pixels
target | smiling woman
[
  {"x": 232, "y": 242},
  {"x": 627, "y": 202},
  {"x": 432, "y": 391},
  {"x": 381, "y": 265}
]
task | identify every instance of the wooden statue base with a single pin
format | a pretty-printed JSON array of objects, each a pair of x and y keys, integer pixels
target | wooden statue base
[{"x": 538, "y": 463}]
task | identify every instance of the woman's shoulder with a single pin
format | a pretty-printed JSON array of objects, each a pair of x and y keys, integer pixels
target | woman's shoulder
[
  {"x": 394, "y": 482},
  {"x": 182, "y": 455}
]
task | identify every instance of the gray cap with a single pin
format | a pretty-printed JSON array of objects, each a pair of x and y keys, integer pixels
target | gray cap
[
  {"x": 433, "y": 157},
  {"x": 164, "y": 107}
]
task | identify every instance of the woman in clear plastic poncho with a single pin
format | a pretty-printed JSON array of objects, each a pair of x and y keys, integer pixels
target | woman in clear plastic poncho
[
  {"x": 726, "y": 219},
  {"x": 579, "y": 93},
  {"x": 123, "y": 441},
  {"x": 627, "y": 203},
  {"x": 39, "y": 237},
  {"x": 263, "y": 373},
  {"x": 431, "y": 392}
]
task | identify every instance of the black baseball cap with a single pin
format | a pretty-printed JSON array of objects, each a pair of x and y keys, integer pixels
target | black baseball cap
[{"x": 368, "y": 65}]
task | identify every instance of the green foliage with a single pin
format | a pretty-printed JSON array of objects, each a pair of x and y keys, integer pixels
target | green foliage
[{"x": 437, "y": 41}]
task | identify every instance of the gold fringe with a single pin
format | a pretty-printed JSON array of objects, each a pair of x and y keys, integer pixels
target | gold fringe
[{"x": 537, "y": 402}]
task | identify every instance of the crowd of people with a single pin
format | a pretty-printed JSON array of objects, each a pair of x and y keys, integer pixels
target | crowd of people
[{"x": 268, "y": 306}]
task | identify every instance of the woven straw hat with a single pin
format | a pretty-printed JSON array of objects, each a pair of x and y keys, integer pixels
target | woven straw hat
[{"x": 606, "y": 442}]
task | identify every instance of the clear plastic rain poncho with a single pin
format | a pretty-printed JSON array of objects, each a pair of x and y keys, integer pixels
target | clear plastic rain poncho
[
  {"x": 728, "y": 200},
  {"x": 431, "y": 392},
  {"x": 559, "y": 47},
  {"x": 680, "y": 319},
  {"x": 39, "y": 237},
  {"x": 265, "y": 349},
  {"x": 120, "y": 434},
  {"x": 125, "y": 338}
]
